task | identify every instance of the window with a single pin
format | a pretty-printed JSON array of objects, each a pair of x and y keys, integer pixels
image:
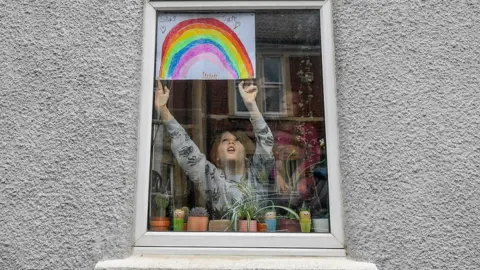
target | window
[
  {"x": 271, "y": 85},
  {"x": 275, "y": 158}
]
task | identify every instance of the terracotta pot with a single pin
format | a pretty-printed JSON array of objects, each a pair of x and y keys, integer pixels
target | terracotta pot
[
  {"x": 262, "y": 227},
  {"x": 159, "y": 223},
  {"x": 222, "y": 225},
  {"x": 185, "y": 227},
  {"x": 247, "y": 225},
  {"x": 288, "y": 225},
  {"x": 197, "y": 224}
]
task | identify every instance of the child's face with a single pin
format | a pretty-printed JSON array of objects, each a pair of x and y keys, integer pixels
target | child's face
[
  {"x": 230, "y": 149},
  {"x": 292, "y": 101}
]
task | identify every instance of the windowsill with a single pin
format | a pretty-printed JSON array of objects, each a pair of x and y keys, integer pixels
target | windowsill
[{"x": 232, "y": 262}]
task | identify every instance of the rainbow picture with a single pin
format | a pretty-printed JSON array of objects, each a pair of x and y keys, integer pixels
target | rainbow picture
[{"x": 215, "y": 47}]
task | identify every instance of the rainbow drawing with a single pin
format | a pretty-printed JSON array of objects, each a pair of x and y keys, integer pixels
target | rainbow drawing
[{"x": 207, "y": 44}]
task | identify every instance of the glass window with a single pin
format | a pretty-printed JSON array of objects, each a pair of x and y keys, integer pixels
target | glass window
[
  {"x": 214, "y": 170},
  {"x": 273, "y": 85},
  {"x": 209, "y": 151}
]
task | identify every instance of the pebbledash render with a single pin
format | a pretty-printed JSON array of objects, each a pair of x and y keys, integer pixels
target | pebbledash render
[{"x": 399, "y": 85}]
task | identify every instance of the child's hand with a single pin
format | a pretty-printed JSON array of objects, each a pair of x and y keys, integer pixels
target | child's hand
[
  {"x": 161, "y": 96},
  {"x": 248, "y": 92},
  {"x": 282, "y": 186}
]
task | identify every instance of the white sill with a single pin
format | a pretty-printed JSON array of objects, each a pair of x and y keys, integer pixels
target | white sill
[{"x": 233, "y": 262}]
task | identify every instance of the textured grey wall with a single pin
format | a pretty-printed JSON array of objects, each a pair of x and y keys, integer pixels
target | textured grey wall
[
  {"x": 70, "y": 79},
  {"x": 408, "y": 109}
]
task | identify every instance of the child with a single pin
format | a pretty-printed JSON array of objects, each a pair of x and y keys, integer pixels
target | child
[
  {"x": 295, "y": 141},
  {"x": 217, "y": 179}
]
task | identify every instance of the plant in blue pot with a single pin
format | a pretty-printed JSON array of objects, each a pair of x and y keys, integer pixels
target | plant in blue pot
[{"x": 271, "y": 220}]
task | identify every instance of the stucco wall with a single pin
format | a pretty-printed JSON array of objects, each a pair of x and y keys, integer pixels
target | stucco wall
[
  {"x": 408, "y": 82},
  {"x": 408, "y": 110},
  {"x": 70, "y": 79}
]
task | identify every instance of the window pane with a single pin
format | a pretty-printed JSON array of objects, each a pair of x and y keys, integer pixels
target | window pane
[
  {"x": 267, "y": 164},
  {"x": 272, "y": 70},
  {"x": 240, "y": 106},
  {"x": 273, "y": 98}
]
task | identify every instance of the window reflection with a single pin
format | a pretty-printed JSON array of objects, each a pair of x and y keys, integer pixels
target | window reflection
[{"x": 282, "y": 150}]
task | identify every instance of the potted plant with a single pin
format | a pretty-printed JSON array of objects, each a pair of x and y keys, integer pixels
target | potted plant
[
  {"x": 321, "y": 223},
  {"x": 289, "y": 223},
  {"x": 178, "y": 220},
  {"x": 319, "y": 204},
  {"x": 223, "y": 224},
  {"x": 261, "y": 225},
  {"x": 271, "y": 220},
  {"x": 305, "y": 219},
  {"x": 197, "y": 220},
  {"x": 160, "y": 221},
  {"x": 244, "y": 212}
]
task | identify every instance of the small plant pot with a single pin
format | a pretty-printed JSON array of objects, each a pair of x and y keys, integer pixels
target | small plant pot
[
  {"x": 178, "y": 224},
  {"x": 247, "y": 225},
  {"x": 288, "y": 225},
  {"x": 197, "y": 224},
  {"x": 159, "y": 224},
  {"x": 271, "y": 225},
  {"x": 305, "y": 225},
  {"x": 262, "y": 227},
  {"x": 222, "y": 225},
  {"x": 321, "y": 225}
]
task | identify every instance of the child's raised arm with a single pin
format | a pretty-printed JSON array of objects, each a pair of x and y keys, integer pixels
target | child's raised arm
[
  {"x": 160, "y": 103},
  {"x": 248, "y": 94},
  {"x": 262, "y": 161},
  {"x": 188, "y": 155}
]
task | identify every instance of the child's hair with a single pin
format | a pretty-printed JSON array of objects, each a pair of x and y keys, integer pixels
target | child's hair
[{"x": 242, "y": 138}]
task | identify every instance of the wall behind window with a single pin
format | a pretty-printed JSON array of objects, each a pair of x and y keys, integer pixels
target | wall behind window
[
  {"x": 408, "y": 83},
  {"x": 407, "y": 76},
  {"x": 70, "y": 80}
]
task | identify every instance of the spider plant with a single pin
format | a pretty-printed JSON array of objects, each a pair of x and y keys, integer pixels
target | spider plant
[{"x": 251, "y": 205}]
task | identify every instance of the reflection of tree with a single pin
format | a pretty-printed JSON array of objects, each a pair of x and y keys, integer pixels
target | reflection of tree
[
  {"x": 300, "y": 160},
  {"x": 305, "y": 90}
]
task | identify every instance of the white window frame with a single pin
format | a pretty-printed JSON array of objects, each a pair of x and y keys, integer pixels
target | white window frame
[{"x": 301, "y": 244}]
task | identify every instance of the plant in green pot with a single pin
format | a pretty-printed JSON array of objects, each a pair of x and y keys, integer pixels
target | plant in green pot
[
  {"x": 178, "y": 220},
  {"x": 305, "y": 219}
]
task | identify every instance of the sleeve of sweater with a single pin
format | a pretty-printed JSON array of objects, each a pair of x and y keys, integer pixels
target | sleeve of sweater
[
  {"x": 191, "y": 160},
  {"x": 263, "y": 160}
]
